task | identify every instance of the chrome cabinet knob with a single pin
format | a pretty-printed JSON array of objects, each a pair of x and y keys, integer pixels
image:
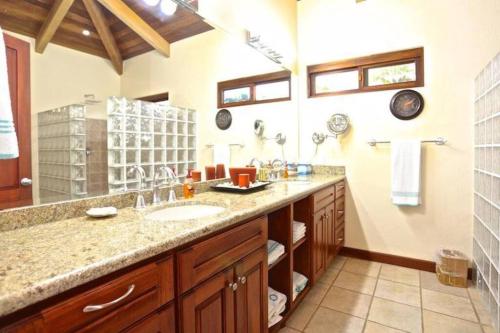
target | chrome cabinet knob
[
  {"x": 233, "y": 286},
  {"x": 242, "y": 279},
  {"x": 26, "y": 182}
]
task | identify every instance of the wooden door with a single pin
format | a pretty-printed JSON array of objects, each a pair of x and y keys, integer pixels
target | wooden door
[
  {"x": 330, "y": 233},
  {"x": 318, "y": 244},
  {"x": 12, "y": 193},
  {"x": 251, "y": 295},
  {"x": 209, "y": 308}
]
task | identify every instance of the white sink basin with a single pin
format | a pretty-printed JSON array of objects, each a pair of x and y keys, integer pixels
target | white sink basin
[{"x": 184, "y": 212}]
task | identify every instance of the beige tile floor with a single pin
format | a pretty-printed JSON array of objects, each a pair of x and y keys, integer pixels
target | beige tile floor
[{"x": 358, "y": 296}]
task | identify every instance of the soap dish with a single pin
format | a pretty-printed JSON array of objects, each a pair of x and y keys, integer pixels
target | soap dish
[{"x": 102, "y": 212}]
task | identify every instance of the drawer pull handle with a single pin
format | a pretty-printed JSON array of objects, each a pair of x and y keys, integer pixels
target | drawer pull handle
[
  {"x": 242, "y": 279},
  {"x": 233, "y": 286},
  {"x": 340, "y": 212},
  {"x": 91, "y": 308},
  {"x": 340, "y": 240}
]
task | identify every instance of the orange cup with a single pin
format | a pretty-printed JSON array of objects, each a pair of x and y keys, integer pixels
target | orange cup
[
  {"x": 244, "y": 180},
  {"x": 196, "y": 175},
  {"x": 210, "y": 172},
  {"x": 220, "y": 171}
]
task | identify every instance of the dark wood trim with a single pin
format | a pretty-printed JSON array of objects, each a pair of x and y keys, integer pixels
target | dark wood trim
[
  {"x": 362, "y": 64},
  {"x": 251, "y": 82},
  {"x": 420, "y": 264},
  {"x": 161, "y": 97}
]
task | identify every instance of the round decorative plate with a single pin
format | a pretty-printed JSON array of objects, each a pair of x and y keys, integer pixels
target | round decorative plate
[
  {"x": 407, "y": 104},
  {"x": 338, "y": 123},
  {"x": 223, "y": 119}
]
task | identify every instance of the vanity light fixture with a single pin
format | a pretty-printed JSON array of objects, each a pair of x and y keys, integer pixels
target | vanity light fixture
[
  {"x": 85, "y": 32},
  {"x": 168, "y": 7},
  {"x": 255, "y": 41}
]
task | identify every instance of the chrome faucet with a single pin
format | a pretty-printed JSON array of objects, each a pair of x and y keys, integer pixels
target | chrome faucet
[
  {"x": 277, "y": 166},
  {"x": 172, "y": 180},
  {"x": 255, "y": 159},
  {"x": 139, "y": 171}
]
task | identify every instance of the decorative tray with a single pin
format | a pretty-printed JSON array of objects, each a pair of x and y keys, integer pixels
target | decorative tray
[{"x": 229, "y": 187}]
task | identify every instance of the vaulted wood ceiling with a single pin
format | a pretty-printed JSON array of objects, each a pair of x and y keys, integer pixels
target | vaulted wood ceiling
[{"x": 27, "y": 17}]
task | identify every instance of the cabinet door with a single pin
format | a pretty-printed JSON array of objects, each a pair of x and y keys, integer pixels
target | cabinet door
[
  {"x": 251, "y": 295},
  {"x": 330, "y": 233},
  {"x": 318, "y": 244},
  {"x": 209, "y": 308}
]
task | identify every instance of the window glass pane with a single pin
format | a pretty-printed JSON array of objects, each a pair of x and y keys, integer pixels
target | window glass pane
[
  {"x": 391, "y": 74},
  {"x": 237, "y": 95},
  {"x": 336, "y": 81},
  {"x": 272, "y": 90}
]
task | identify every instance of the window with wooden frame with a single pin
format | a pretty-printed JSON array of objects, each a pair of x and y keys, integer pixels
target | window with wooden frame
[
  {"x": 392, "y": 70},
  {"x": 265, "y": 88}
]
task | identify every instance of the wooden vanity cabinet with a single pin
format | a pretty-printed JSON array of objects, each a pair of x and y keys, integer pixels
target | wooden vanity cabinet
[
  {"x": 234, "y": 298},
  {"x": 328, "y": 227}
]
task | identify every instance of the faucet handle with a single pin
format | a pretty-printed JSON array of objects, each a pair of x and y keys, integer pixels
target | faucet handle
[{"x": 172, "y": 197}]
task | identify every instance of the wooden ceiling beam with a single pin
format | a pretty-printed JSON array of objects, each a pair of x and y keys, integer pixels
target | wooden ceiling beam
[
  {"x": 138, "y": 25},
  {"x": 56, "y": 15},
  {"x": 107, "y": 38}
]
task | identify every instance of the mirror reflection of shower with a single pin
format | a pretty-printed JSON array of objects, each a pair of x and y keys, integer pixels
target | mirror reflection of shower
[{"x": 72, "y": 151}]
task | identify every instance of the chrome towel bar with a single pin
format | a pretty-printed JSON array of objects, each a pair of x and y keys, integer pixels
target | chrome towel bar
[{"x": 438, "y": 141}]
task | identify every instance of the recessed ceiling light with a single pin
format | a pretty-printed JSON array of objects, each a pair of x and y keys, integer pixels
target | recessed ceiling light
[
  {"x": 168, "y": 7},
  {"x": 85, "y": 32},
  {"x": 151, "y": 2}
]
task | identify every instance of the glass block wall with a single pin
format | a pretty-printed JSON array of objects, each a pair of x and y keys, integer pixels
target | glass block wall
[{"x": 486, "y": 241}]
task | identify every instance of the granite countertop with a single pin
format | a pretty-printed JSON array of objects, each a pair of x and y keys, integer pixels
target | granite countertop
[{"x": 45, "y": 260}]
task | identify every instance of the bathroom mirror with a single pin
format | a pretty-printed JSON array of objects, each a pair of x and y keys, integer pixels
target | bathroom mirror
[{"x": 93, "y": 119}]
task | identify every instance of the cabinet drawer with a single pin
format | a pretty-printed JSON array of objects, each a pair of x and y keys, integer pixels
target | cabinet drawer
[
  {"x": 339, "y": 236},
  {"x": 339, "y": 208},
  {"x": 323, "y": 198},
  {"x": 162, "y": 321},
  {"x": 339, "y": 222},
  {"x": 115, "y": 304},
  {"x": 339, "y": 189},
  {"x": 204, "y": 259}
]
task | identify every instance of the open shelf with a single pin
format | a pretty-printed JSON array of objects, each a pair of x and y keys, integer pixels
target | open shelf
[
  {"x": 280, "y": 259},
  {"x": 299, "y": 242},
  {"x": 301, "y": 296}
]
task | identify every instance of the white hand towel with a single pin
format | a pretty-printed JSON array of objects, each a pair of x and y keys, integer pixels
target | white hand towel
[
  {"x": 8, "y": 139},
  {"x": 405, "y": 163}
]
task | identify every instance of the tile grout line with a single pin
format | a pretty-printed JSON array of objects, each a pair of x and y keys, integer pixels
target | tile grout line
[
  {"x": 372, "y": 297},
  {"x": 475, "y": 311}
]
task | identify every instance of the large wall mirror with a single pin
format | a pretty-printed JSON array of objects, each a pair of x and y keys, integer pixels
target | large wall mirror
[{"x": 106, "y": 94}]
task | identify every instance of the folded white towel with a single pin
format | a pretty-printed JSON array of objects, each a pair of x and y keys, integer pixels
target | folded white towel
[
  {"x": 9, "y": 147},
  {"x": 273, "y": 256},
  {"x": 274, "y": 320},
  {"x": 299, "y": 230},
  {"x": 405, "y": 162},
  {"x": 299, "y": 284},
  {"x": 276, "y": 302},
  {"x": 274, "y": 251}
]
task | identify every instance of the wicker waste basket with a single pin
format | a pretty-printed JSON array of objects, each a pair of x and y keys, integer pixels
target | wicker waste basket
[{"x": 452, "y": 267}]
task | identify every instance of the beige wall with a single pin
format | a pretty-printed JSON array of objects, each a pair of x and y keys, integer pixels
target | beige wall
[
  {"x": 190, "y": 76},
  {"x": 459, "y": 38},
  {"x": 275, "y": 20}
]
